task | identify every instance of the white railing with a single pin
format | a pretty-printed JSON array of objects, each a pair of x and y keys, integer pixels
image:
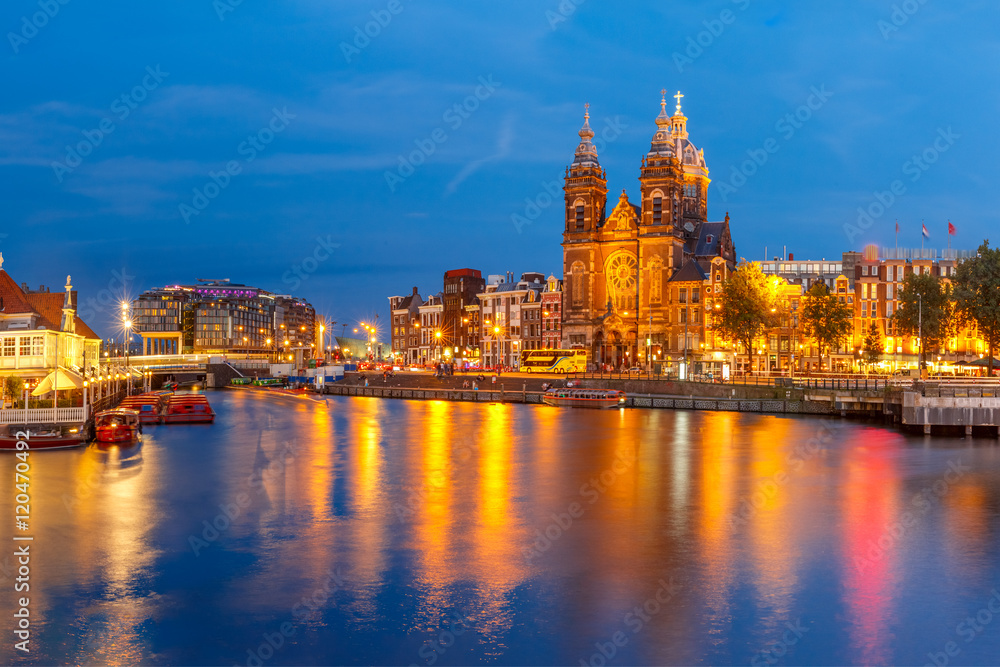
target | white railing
[{"x": 41, "y": 415}]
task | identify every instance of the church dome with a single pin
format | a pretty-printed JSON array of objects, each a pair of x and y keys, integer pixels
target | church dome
[{"x": 586, "y": 152}]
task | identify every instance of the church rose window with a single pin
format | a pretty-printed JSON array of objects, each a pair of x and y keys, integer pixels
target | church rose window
[{"x": 621, "y": 280}]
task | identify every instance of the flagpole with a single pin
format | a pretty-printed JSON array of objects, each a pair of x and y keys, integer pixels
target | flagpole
[
  {"x": 897, "y": 238},
  {"x": 949, "y": 235},
  {"x": 921, "y": 239}
]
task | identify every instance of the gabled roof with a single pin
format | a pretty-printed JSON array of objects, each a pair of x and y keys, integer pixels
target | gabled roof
[
  {"x": 14, "y": 301},
  {"x": 49, "y": 306},
  {"x": 709, "y": 237},
  {"x": 689, "y": 273}
]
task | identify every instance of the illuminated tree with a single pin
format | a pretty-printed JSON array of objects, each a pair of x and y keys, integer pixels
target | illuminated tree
[
  {"x": 873, "y": 344},
  {"x": 825, "y": 319},
  {"x": 926, "y": 311},
  {"x": 748, "y": 306},
  {"x": 977, "y": 296}
]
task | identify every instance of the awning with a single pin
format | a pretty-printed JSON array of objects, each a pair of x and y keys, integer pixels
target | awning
[{"x": 58, "y": 379}]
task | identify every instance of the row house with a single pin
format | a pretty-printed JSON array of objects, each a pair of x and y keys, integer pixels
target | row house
[
  {"x": 429, "y": 330},
  {"x": 460, "y": 289},
  {"x": 511, "y": 317},
  {"x": 552, "y": 314},
  {"x": 404, "y": 329}
]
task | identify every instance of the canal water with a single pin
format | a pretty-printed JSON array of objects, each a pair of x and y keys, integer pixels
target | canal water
[{"x": 369, "y": 531}]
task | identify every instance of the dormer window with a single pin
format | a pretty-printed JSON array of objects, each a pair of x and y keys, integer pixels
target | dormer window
[{"x": 709, "y": 239}]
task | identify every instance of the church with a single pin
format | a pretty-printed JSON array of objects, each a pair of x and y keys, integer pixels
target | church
[{"x": 640, "y": 280}]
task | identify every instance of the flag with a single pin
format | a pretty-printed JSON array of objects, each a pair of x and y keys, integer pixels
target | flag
[
  {"x": 926, "y": 233},
  {"x": 897, "y": 226},
  {"x": 951, "y": 228}
]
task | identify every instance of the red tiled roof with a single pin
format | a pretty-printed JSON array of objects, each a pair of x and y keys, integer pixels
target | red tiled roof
[
  {"x": 14, "y": 301},
  {"x": 49, "y": 306}
]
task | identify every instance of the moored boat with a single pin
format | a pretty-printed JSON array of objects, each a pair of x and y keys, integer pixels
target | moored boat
[
  {"x": 584, "y": 398},
  {"x": 43, "y": 436},
  {"x": 188, "y": 409},
  {"x": 150, "y": 406},
  {"x": 117, "y": 426}
]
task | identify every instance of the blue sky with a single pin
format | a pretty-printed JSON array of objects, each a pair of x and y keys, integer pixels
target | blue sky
[{"x": 310, "y": 119}]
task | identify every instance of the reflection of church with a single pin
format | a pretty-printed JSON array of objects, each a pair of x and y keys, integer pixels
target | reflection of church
[{"x": 638, "y": 280}]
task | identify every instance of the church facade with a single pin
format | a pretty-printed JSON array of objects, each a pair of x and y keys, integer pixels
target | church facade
[{"x": 621, "y": 299}]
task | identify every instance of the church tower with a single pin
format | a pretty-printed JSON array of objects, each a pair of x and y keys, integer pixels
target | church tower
[
  {"x": 586, "y": 191},
  {"x": 662, "y": 178},
  {"x": 696, "y": 180}
]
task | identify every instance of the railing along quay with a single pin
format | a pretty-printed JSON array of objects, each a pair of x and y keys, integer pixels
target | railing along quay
[{"x": 770, "y": 406}]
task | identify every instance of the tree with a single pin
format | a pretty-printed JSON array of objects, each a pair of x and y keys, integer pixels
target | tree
[
  {"x": 977, "y": 296},
  {"x": 748, "y": 306},
  {"x": 13, "y": 386},
  {"x": 925, "y": 311},
  {"x": 826, "y": 320},
  {"x": 873, "y": 344}
]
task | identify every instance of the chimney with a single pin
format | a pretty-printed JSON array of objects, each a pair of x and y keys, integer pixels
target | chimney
[
  {"x": 414, "y": 291},
  {"x": 791, "y": 257}
]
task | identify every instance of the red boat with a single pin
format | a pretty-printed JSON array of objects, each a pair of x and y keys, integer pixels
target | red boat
[
  {"x": 117, "y": 426},
  {"x": 149, "y": 406},
  {"x": 43, "y": 436},
  {"x": 188, "y": 409}
]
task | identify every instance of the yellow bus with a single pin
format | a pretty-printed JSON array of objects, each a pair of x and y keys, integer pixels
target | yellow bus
[{"x": 553, "y": 361}]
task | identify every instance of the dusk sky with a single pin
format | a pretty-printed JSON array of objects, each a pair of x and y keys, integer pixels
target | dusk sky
[{"x": 310, "y": 115}]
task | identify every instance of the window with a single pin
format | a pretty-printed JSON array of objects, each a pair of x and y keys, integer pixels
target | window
[
  {"x": 579, "y": 218},
  {"x": 684, "y": 295},
  {"x": 888, "y": 273},
  {"x": 657, "y": 210},
  {"x": 888, "y": 292},
  {"x": 577, "y": 284},
  {"x": 864, "y": 270},
  {"x": 690, "y": 190},
  {"x": 864, "y": 291},
  {"x": 655, "y": 281},
  {"x": 8, "y": 347},
  {"x": 25, "y": 346},
  {"x": 864, "y": 309},
  {"x": 695, "y": 295},
  {"x": 37, "y": 345}
]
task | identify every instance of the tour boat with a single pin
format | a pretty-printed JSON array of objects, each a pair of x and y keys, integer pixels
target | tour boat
[
  {"x": 118, "y": 425},
  {"x": 43, "y": 436},
  {"x": 149, "y": 406},
  {"x": 584, "y": 398},
  {"x": 188, "y": 409}
]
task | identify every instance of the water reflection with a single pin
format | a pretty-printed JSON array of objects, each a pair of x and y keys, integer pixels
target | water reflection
[{"x": 433, "y": 510}]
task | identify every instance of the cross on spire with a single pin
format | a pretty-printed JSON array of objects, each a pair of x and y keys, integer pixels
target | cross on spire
[
  {"x": 678, "y": 97},
  {"x": 586, "y": 110}
]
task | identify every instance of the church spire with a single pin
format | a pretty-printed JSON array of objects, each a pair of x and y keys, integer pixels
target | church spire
[
  {"x": 662, "y": 145},
  {"x": 679, "y": 121},
  {"x": 586, "y": 152}
]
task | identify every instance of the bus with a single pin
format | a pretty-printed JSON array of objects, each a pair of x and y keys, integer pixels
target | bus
[{"x": 553, "y": 361}]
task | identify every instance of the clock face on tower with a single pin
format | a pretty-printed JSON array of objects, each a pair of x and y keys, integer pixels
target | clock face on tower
[{"x": 621, "y": 280}]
